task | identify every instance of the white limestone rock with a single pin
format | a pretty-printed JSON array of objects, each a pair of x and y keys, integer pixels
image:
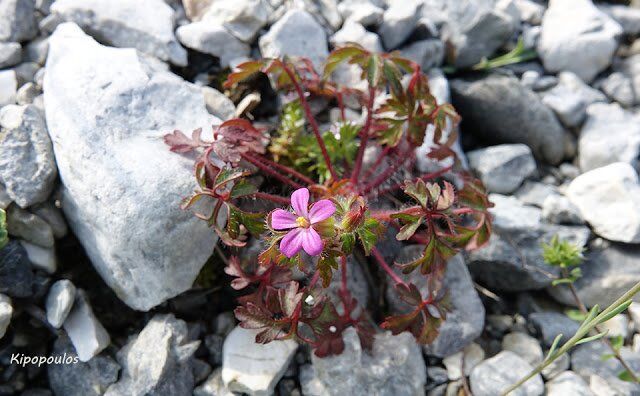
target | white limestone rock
[
  {"x": 107, "y": 110},
  {"x": 87, "y": 334}
]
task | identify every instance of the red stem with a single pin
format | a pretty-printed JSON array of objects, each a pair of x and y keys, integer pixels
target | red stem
[
  {"x": 340, "y": 100},
  {"x": 344, "y": 274},
  {"x": 424, "y": 177},
  {"x": 378, "y": 256},
  {"x": 263, "y": 167},
  {"x": 364, "y": 137},
  {"x": 284, "y": 168},
  {"x": 273, "y": 198},
  {"x": 311, "y": 120}
]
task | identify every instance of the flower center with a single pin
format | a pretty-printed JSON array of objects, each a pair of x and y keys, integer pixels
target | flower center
[{"x": 302, "y": 222}]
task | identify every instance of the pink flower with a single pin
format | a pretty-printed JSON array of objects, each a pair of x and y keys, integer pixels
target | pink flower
[{"x": 302, "y": 234}]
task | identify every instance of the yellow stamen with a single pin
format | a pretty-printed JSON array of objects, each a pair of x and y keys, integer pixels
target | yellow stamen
[{"x": 302, "y": 222}]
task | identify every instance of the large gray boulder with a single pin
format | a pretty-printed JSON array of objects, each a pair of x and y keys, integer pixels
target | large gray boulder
[
  {"x": 577, "y": 37},
  {"x": 107, "y": 111},
  {"x": 146, "y": 25},
  {"x": 394, "y": 367},
  {"x": 501, "y": 110}
]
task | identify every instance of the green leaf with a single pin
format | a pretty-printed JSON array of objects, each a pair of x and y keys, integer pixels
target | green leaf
[
  {"x": 592, "y": 338},
  {"x": 374, "y": 70},
  {"x": 619, "y": 309},
  {"x": 4, "y": 235},
  {"x": 617, "y": 342},
  {"x": 626, "y": 376},
  {"x": 253, "y": 222},
  {"x": 348, "y": 241},
  {"x": 607, "y": 356},
  {"x": 576, "y": 314},
  {"x": 242, "y": 188},
  {"x": 409, "y": 229},
  {"x": 368, "y": 234},
  {"x": 562, "y": 253},
  {"x": 592, "y": 314},
  {"x": 554, "y": 346},
  {"x": 417, "y": 191},
  {"x": 561, "y": 281},
  {"x": 326, "y": 264},
  {"x": 339, "y": 56}
]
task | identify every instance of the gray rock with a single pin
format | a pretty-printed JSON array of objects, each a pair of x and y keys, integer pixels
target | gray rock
[
  {"x": 568, "y": 383},
  {"x": 26, "y": 72},
  {"x": 630, "y": 68},
  {"x": 354, "y": 33},
  {"x": 608, "y": 272},
  {"x": 465, "y": 320},
  {"x": 501, "y": 110},
  {"x": 241, "y": 18},
  {"x": 627, "y": 17},
  {"x": 59, "y": 302},
  {"x": 398, "y": 21},
  {"x": 512, "y": 260},
  {"x": 80, "y": 379},
  {"x": 427, "y": 53},
  {"x": 570, "y": 97},
  {"x": 10, "y": 54},
  {"x": 609, "y": 199},
  {"x": 610, "y": 135},
  {"x": 6, "y": 310},
  {"x": 472, "y": 355},
  {"x": 158, "y": 361},
  {"x": 27, "y": 94},
  {"x": 502, "y": 168},
  {"x": 524, "y": 346},
  {"x": 41, "y": 258},
  {"x": 29, "y": 227},
  {"x": 578, "y": 37},
  {"x": 358, "y": 286},
  {"x": 394, "y": 367},
  {"x": 146, "y": 25},
  {"x": 218, "y": 104},
  {"x": 363, "y": 12},
  {"x": 37, "y": 50},
  {"x": 5, "y": 200},
  {"x": 253, "y": 368},
  {"x": 557, "y": 209},
  {"x": 556, "y": 367},
  {"x": 213, "y": 386},
  {"x": 8, "y": 87},
  {"x": 586, "y": 360},
  {"x": 16, "y": 277},
  {"x": 478, "y": 38},
  {"x": 214, "y": 40},
  {"x": 619, "y": 87},
  {"x": 551, "y": 324},
  {"x": 52, "y": 215},
  {"x": 17, "y": 20},
  {"x": 85, "y": 331},
  {"x": 296, "y": 34},
  {"x": 530, "y": 11},
  {"x": 495, "y": 375},
  {"x": 127, "y": 169},
  {"x": 535, "y": 193},
  {"x": 27, "y": 165}
]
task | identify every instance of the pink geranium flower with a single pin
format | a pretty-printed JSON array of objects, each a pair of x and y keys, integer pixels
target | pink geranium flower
[{"x": 302, "y": 234}]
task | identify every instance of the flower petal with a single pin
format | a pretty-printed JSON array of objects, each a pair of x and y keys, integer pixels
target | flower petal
[
  {"x": 283, "y": 220},
  {"x": 300, "y": 202},
  {"x": 291, "y": 244},
  {"x": 311, "y": 241},
  {"x": 321, "y": 210}
]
